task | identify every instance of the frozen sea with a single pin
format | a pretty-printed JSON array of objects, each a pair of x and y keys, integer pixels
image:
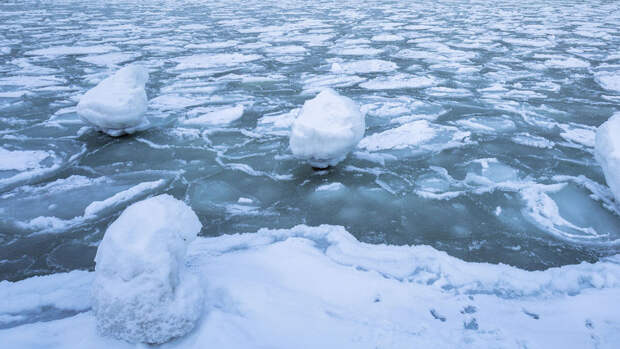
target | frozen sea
[{"x": 480, "y": 125}]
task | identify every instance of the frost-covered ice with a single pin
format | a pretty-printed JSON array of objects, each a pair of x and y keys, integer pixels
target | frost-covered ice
[
  {"x": 327, "y": 128},
  {"x": 608, "y": 152},
  {"x": 117, "y": 104},
  {"x": 142, "y": 291},
  {"x": 336, "y": 292}
]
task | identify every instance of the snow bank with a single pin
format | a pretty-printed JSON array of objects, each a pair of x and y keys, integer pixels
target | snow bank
[
  {"x": 142, "y": 291},
  {"x": 607, "y": 151},
  {"x": 117, "y": 104},
  {"x": 326, "y": 129},
  {"x": 318, "y": 287}
]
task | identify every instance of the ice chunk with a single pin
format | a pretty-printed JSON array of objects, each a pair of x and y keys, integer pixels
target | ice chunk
[
  {"x": 607, "y": 151},
  {"x": 142, "y": 291},
  {"x": 117, "y": 104},
  {"x": 327, "y": 128}
]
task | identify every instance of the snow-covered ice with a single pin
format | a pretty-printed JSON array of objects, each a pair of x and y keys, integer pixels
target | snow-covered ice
[
  {"x": 142, "y": 291},
  {"x": 335, "y": 292},
  {"x": 117, "y": 104},
  {"x": 607, "y": 150},
  {"x": 327, "y": 128}
]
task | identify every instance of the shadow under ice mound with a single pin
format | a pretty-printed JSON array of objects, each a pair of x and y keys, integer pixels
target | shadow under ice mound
[
  {"x": 142, "y": 291},
  {"x": 607, "y": 152},
  {"x": 328, "y": 127},
  {"x": 117, "y": 104}
]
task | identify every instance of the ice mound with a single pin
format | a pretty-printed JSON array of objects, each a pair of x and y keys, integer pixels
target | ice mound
[
  {"x": 326, "y": 129},
  {"x": 117, "y": 104},
  {"x": 142, "y": 291},
  {"x": 607, "y": 151}
]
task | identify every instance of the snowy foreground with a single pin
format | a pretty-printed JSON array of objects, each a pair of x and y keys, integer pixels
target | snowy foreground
[{"x": 321, "y": 287}]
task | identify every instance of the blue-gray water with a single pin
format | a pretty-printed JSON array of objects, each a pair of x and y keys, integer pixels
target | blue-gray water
[{"x": 512, "y": 96}]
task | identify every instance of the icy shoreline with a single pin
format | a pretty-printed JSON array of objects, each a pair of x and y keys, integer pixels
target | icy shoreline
[{"x": 321, "y": 287}]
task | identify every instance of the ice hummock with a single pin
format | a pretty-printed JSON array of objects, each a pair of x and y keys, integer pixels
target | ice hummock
[
  {"x": 142, "y": 291},
  {"x": 117, "y": 104},
  {"x": 327, "y": 128},
  {"x": 607, "y": 152}
]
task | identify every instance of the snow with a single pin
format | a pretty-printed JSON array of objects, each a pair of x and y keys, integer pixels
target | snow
[
  {"x": 607, "y": 152},
  {"x": 109, "y": 59},
  {"x": 398, "y": 81},
  {"x": 331, "y": 187},
  {"x": 209, "y": 61},
  {"x": 327, "y": 128},
  {"x": 387, "y": 38},
  {"x": 142, "y": 290},
  {"x": 608, "y": 80},
  {"x": 364, "y": 67},
  {"x": 21, "y": 160},
  {"x": 336, "y": 292},
  {"x": 409, "y": 134},
  {"x": 118, "y": 103},
  {"x": 218, "y": 116},
  {"x": 419, "y": 135},
  {"x": 72, "y": 50}
]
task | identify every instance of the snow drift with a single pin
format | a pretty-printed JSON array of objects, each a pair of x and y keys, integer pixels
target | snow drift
[
  {"x": 327, "y": 128},
  {"x": 142, "y": 291},
  {"x": 117, "y": 104}
]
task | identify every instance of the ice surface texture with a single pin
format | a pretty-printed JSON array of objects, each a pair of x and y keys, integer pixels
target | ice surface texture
[
  {"x": 142, "y": 291},
  {"x": 608, "y": 153},
  {"x": 117, "y": 104},
  {"x": 327, "y": 128}
]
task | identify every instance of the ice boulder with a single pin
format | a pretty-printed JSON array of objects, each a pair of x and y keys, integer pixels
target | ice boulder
[
  {"x": 327, "y": 128},
  {"x": 117, "y": 104},
  {"x": 143, "y": 291},
  {"x": 607, "y": 152}
]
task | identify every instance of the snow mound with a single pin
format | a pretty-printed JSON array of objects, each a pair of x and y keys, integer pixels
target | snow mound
[
  {"x": 607, "y": 151},
  {"x": 117, "y": 104},
  {"x": 142, "y": 291},
  {"x": 327, "y": 128}
]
